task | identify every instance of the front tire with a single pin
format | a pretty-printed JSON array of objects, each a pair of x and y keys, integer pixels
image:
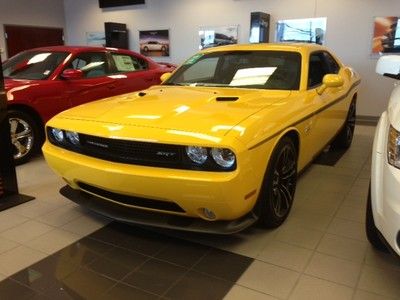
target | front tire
[
  {"x": 370, "y": 228},
  {"x": 345, "y": 136},
  {"x": 279, "y": 185},
  {"x": 25, "y": 136}
]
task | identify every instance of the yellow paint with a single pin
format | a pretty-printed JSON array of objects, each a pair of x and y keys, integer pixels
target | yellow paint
[{"x": 188, "y": 115}]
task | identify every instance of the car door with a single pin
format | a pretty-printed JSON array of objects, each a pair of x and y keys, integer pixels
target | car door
[
  {"x": 329, "y": 109},
  {"x": 95, "y": 83},
  {"x": 132, "y": 73}
]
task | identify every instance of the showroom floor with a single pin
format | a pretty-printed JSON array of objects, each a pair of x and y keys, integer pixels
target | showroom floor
[{"x": 52, "y": 249}]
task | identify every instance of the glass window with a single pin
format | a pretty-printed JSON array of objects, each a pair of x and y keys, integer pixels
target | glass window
[
  {"x": 92, "y": 64},
  {"x": 33, "y": 65},
  {"x": 316, "y": 70},
  {"x": 128, "y": 63},
  {"x": 332, "y": 63},
  {"x": 241, "y": 69}
]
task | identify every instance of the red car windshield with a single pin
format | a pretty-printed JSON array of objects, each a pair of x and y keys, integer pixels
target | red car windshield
[{"x": 33, "y": 65}]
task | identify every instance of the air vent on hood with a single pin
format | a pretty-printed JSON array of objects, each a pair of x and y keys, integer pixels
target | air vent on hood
[{"x": 227, "y": 98}]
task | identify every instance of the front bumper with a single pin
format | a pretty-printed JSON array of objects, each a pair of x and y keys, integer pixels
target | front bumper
[
  {"x": 385, "y": 189},
  {"x": 185, "y": 193},
  {"x": 138, "y": 216}
]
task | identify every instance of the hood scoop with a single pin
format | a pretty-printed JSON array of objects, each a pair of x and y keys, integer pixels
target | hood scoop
[{"x": 226, "y": 99}]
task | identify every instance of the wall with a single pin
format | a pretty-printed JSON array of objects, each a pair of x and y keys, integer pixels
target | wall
[
  {"x": 349, "y": 29},
  {"x": 46, "y": 13}
]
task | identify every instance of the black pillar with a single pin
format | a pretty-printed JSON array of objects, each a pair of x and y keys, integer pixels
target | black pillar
[{"x": 9, "y": 195}]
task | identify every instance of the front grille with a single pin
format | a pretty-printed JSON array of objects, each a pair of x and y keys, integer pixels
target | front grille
[
  {"x": 136, "y": 152},
  {"x": 132, "y": 152},
  {"x": 130, "y": 200}
]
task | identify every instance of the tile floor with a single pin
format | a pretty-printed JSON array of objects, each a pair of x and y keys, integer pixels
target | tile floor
[{"x": 321, "y": 251}]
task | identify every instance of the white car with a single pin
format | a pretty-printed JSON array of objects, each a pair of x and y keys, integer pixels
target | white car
[
  {"x": 154, "y": 46},
  {"x": 383, "y": 209}
]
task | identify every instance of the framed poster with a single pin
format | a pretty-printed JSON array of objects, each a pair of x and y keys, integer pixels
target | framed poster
[
  {"x": 311, "y": 30},
  {"x": 218, "y": 36},
  {"x": 96, "y": 39},
  {"x": 154, "y": 42},
  {"x": 386, "y": 37}
]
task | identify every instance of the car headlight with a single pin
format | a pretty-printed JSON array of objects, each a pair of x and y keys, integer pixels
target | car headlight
[
  {"x": 393, "y": 147},
  {"x": 58, "y": 135},
  {"x": 197, "y": 154},
  {"x": 73, "y": 137},
  {"x": 223, "y": 157}
]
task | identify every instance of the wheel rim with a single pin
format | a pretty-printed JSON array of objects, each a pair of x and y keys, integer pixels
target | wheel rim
[
  {"x": 21, "y": 137},
  {"x": 284, "y": 181},
  {"x": 351, "y": 122}
]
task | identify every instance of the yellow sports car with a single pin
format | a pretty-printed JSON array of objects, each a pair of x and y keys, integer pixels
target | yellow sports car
[{"x": 214, "y": 148}]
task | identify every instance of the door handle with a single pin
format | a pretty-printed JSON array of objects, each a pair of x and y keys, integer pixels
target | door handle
[{"x": 111, "y": 86}]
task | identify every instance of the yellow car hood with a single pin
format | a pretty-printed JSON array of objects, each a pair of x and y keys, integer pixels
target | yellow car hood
[{"x": 194, "y": 109}]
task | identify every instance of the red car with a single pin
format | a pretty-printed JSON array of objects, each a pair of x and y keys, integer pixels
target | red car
[{"x": 45, "y": 81}]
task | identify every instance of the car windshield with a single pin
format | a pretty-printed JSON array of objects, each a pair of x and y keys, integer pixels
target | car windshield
[
  {"x": 276, "y": 70},
  {"x": 33, "y": 65}
]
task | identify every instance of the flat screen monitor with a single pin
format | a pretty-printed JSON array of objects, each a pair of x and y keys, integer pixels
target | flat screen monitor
[{"x": 113, "y": 3}]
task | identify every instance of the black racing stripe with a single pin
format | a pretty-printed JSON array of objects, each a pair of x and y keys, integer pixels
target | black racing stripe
[{"x": 307, "y": 117}]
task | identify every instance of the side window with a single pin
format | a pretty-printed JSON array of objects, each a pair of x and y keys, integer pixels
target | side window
[
  {"x": 332, "y": 64},
  {"x": 317, "y": 69},
  {"x": 204, "y": 69},
  {"x": 92, "y": 64},
  {"x": 128, "y": 63}
]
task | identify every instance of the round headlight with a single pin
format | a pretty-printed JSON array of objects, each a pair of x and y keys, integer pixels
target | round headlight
[
  {"x": 58, "y": 135},
  {"x": 197, "y": 154},
  {"x": 73, "y": 137},
  {"x": 223, "y": 157}
]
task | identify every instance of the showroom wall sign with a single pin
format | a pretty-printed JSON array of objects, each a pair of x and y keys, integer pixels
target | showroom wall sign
[
  {"x": 154, "y": 42},
  {"x": 386, "y": 36},
  {"x": 218, "y": 36},
  {"x": 8, "y": 181},
  {"x": 311, "y": 30}
]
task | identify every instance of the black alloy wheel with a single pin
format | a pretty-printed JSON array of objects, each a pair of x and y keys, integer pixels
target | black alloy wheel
[
  {"x": 25, "y": 136},
  {"x": 279, "y": 185},
  {"x": 345, "y": 137}
]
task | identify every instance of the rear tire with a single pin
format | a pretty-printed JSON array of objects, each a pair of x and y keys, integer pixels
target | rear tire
[
  {"x": 370, "y": 228},
  {"x": 279, "y": 185},
  {"x": 26, "y": 136},
  {"x": 345, "y": 136}
]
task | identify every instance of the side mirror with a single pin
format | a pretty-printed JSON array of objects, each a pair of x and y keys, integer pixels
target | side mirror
[
  {"x": 72, "y": 74},
  {"x": 389, "y": 66},
  {"x": 165, "y": 76},
  {"x": 330, "y": 81}
]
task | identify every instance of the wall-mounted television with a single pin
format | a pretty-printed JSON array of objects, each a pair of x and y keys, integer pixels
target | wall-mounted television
[{"x": 113, "y": 3}]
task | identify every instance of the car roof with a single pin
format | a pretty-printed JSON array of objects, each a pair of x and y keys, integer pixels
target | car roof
[
  {"x": 75, "y": 49},
  {"x": 295, "y": 47}
]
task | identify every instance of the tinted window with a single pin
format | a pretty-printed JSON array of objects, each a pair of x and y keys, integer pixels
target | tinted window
[
  {"x": 92, "y": 64},
  {"x": 332, "y": 64},
  {"x": 317, "y": 69},
  {"x": 34, "y": 65},
  {"x": 127, "y": 63},
  {"x": 321, "y": 63},
  {"x": 243, "y": 69}
]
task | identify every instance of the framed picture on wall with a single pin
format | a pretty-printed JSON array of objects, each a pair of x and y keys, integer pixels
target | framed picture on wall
[
  {"x": 311, "y": 30},
  {"x": 217, "y": 36},
  {"x": 96, "y": 38},
  {"x": 386, "y": 37},
  {"x": 154, "y": 42}
]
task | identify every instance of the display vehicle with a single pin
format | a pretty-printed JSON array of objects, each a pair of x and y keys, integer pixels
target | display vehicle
[
  {"x": 216, "y": 147},
  {"x": 45, "y": 81},
  {"x": 383, "y": 205}
]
